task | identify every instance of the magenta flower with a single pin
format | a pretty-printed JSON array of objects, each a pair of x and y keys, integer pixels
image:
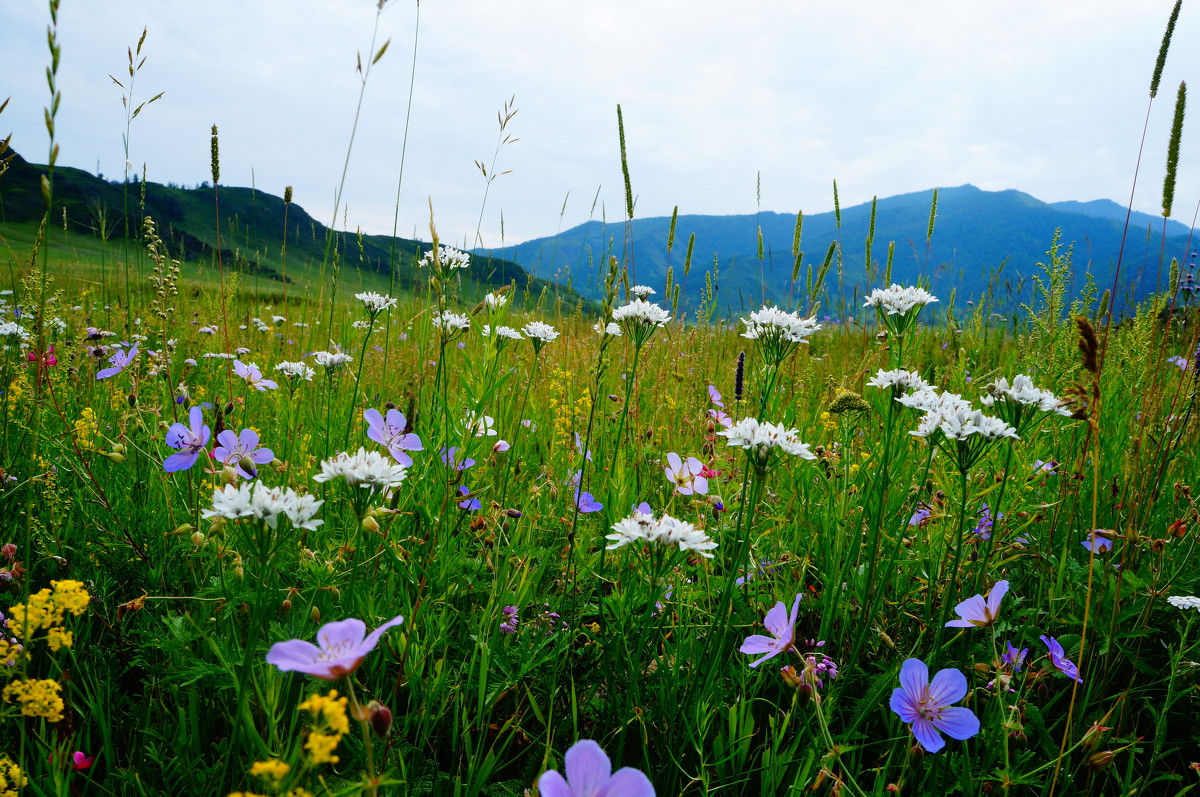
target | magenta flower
[
  {"x": 686, "y": 475},
  {"x": 341, "y": 647},
  {"x": 81, "y": 761},
  {"x": 976, "y": 612},
  {"x": 120, "y": 361},
  {"x": 782, "y": 626},
  {"x": 253, "y": 376},
  {"x": 1059, "y": 660},
  {"x": 190, "y": 441},
  {"x": 928, "y": 706},
  {"x": 241, "y": 452},
  {"x": 392, "y": 435},
  {"x": 589, "y": 774}
]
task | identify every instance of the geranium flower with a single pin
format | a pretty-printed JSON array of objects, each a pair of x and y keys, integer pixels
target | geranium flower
[
  {"x": 585, "y": 502},
  {"x": 392, "y": 435},
  {"x": 928, "y": 706},
  {"x": 253, "y": 376},
  {"x": 1097, "y": 542},
  {"x": 686, "y": 475},
  {"x": 241, "y": 452},
  {"x": 589, "y": 774},
  {"x": 340, "y": 649},
  {"x": 468, "y": 503},
  {"x": 976, "y": 612},
  {"x": 1058, "y": 658},
  {"x": 190, "y": 441},
  {"x": 120, "y": 361},
  {"x": 782, "y": 625},
  {"x": 451, "y": 460}
]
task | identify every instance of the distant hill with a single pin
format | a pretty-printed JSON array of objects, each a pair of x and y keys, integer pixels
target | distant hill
[
  {"x": 251, "y": 238},
  {"x": 980, "y": 239}
]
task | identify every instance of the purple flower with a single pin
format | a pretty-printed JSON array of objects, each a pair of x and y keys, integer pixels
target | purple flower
[
  {"x": 189, "y": 441},
  {"x": 928, "y": 706},
  {"x": 715, "y": 397},
  {"x": 1181, "y": 362},
  {"x": 253, "y": 376},
  {"x": 1097, "y": 542},
  {"x": 509, "y": 624},
  {"x": 686, "y": 475},
  {"x": 468, "y": 503},
  {"x": 450, "y": 458},
  {"x": 120, "y": 361},
  {"x": 391, "y": 434},
  {"x": 984, "y": 528},
  {"x": 920, "y": 516},
  {"x": 341, "y": 647},
  {"x": 241, "y": 452},
  {"x": 720, "y": 417},
  {"x": 1012, "y": 657},
  {"x": 1058, "y": 660},
  {"x": 975, "y": 612},
  {"x": 1047, "y": 467},
  {"x": 589, "y": 774},
  {"x": 585, "y": 502},
  {"x": 643, "y": 508},
  {"x": 782, "y": 626},
  {"x": 579, "y": 448}
]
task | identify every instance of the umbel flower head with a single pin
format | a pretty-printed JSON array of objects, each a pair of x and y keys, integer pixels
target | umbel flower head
[
  {"x": 539, "y": 334},
  {"x": 447, "y": 258},
  {"x": 589, "y": 774},
  {"x": 450, "y": 325},
  {"x": 640, "y": 527},
  {"x": 257, "y": 500},
  {"x": 777, "y": 333},
  {"x": 340, "y": 649},
  {"x": 761, "y": 440},
  {"x": 898, "y": 306},
  {"x": 375, "y": 303},
  {"x": 1019, "y": 403},
  {"x": 639, "y": 319}
]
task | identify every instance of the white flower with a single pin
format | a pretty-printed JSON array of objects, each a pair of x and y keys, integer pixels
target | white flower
[
  {"x": 771, "y": 322},
  {"x": 895, "y": 300},
  {"x": 366, "y": 469},
  {"x": 905, "y": 380},
  {"x": 538, "y": 331},
  {"x": 331, "y": 360},
  {"x": 642, "y": 291},
  {"x": 296, "y": 371},
  {"x": 278, "y": 319},
  {"x": 600, "y": 328},
  {"x": 502, "y": 332},
  {"x": 665, "y": 531},
  {"x": 479, "y": 425},
  {"x": 495, "y": 301},
  {"x": 361, "y": 324},
  {"x": 641, "y": 313},
  {"x": 760, "y": 440},
  {"x": 257, "y": 500},
  {"x": 375, "y": 303},
  {"x": 448, "y": 257},
  {"x": 1184, "y": 602},
  {"x": 11, "y": 329},
  {"x": 451, "y": 323},
  {"x": 1022, "y": 391},
  {"x": 208, "y": 330}
]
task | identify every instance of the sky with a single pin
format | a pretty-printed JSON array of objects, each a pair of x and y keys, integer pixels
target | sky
[{"x": 725, "y": 112}]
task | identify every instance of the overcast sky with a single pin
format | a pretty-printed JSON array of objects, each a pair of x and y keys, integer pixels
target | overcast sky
[{"x": 884, "y": 96}]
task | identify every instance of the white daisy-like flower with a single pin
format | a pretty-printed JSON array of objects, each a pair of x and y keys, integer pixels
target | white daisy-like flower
[
  {"x": 642, "y": 291},
  {"x": 296, "y": 371},
  {"x": 448, "y": 257},
  {"x": 1184, "y": 602},
  {"x": 897, "y": 300},
  {"x": 908, "y": 381},
  {"x": 451, "y": 323},
  {"x": 257, "y": 500},
  {"x": 375, "y": 303},
  {"x": 331, "y": 360},
  {"x": 366, "y": 469},
  {"x": 771, "y": 322},
  {"x": 539, "y": 332},
  {"x": 664, "y": 531}
]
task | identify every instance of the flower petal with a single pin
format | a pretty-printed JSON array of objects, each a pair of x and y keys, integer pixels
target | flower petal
[
  {"x": 999, "y": 590},
  {"x": 587, "y": 767},
  {"x": 627, "y": 782},
  {"x": 903, "y": 704},
  {"x": 973, "y": 610},
  {"x": 551, "y": 784},
  {"x": 914, "y": 678},
  {"x": 927, "y": 736},
  {"x": 373, "y": 638},
  {"x": 947, "y": 687},
  {"x": 294, "y": 655},
  {"x": 180, "y": 460},
  {"x": 348, "y": 634},
  {"x": 757, "y": 643},
  {"x": 674, "y": 463},
  {"x": 957, "y": 723},
  {"x": 776, "y": 620}
]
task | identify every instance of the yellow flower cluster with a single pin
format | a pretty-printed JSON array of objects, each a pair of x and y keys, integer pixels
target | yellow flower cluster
[
  {"x": 45, "y": 611},
  {"x": 330, "y": 724},
  {"x": 37, "y": 698},
  {"x": 86, "y": 429},
  {"x": 273, "y": 770},
  {"x": 11, "y": 778},
  {"x": 17, "y": 388},
  {"x": 10, "y": 653}
]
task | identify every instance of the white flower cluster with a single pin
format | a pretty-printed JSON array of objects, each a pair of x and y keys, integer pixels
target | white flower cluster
[
  {"x": 954, "y": 416},
  {"x": 11, "y": 329},
  {"x": 331, "y": 360},
  {"x": 367, "y": 469},
  {"x": 895, "y": 300},
  {"x": 771, "y": 322},
  {"x": 1022, "y": 391},
  {"x": 642, "y": 313},
  {"x": 257, "y": 500},
  {"x": 450, "y": 323},
  {"x": 539, "y": 331},
  {"x": 1184, "y": 602},
  {"x": 495, "y": 301},
  {"x": 665, "y": 531},
  {"x": 760, "y": 439},
  {"x": 448, "y": 257},
  {"x": 375, "y": 303},
  {"x": 908, "y": 381},
  {"x": 502, "y": 332},
  {"x": 642, "y": 291},
  {"x": 295, "y": 371},
  {"x": 600, "y": 328}
]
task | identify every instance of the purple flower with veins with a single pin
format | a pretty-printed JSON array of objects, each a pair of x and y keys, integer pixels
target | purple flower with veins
[
  {"x": 585, "y": 502},
  {"x": 920, "y": 516},
  {"x": 984, "y": 528},
  {"x": 241, "y": 452},
  {"x": 589, "y": 774},
  {"x": 782, "y": 626},
  {"x": 1012, "y": 657},
  {"x": 686, "y": 475},
  {"x": 119, "y": 362},
  {"x": 451, "y": 460},
  {"x": 928, "y": 706},
  {"x": 341, "y": 647},
  {"x": 253, "y": 376},
  {"x": 975, "y": 612},
  {"x": 390, "y": 433},
  {"x": 1058, "y": 658},
  {"x": 469, "y": 502},
  {"x": 190, "y": 440},
  {"x": 1097, "y": 543},
  {"x": 644, "y": 509}
]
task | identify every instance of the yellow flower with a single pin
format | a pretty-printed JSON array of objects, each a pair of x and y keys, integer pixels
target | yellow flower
[
  {"x": 320, "y": 747},
  {"x": 273, "y": 770},
  {"x": 59, "y": 637},
  {"x": 298, "y": 793},
  {"x": 329, "y": 725},
  {"x": 45, "y": 610},
  {"x": 37, "y": 698},
  {"x": 11, "y": 777},
  {"x": 10, "y": 654},
  {"x": 245, "y": 794},
  {"x": 86, "y": 429}
]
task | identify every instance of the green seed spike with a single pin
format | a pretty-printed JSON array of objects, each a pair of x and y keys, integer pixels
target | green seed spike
[
  {"x": 887, "y": 273},
  {"x": 760, "y": 243},
  {"x": 871, "y": 235},
  {"x": 1173, "y": 150},
  {"x": 1173, "y": 280},
  {"x": 837, "y": 206},
  {"x": 932, "y": 218},
  {"x": 1162, "y": 49},
  {"x": 671, "y": 231},
  {"x": 670, "y": 280},
  {"x": 625, "y": 165},
  {"x": 812, "y": 294},
  {"x": 796, "y": 266},
  {"x": 216, "y": 157},
  {"x": 687, "y": 260},
  {"x": 1104, "y": 300},
  {"x": 796, "y": 235}
]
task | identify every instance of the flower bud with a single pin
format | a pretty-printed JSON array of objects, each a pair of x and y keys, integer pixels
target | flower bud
[
  {"x": 228, "y": 408},
  {"x": 132, "y": 399},
  {"x": 229, "y": 475},
  {"x": 118, "y": 448},
  {"x": 1100, "y": 760},
  {"x": 115, "y": 457},
  {"x": 185, "y": 528},
  {"x": 380, "y": 717},
  {"x": 370, "y": 524},
  {"x": 286, "y": 605},
  {"x": 198, "y": 538},
  {"x": 315, "y": 614},
  {"x": 248, "y": 465}
]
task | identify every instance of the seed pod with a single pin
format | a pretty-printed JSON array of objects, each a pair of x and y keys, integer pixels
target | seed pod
[{"x": 315, "y": 614}]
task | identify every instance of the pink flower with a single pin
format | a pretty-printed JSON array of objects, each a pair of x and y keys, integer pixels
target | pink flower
[
  {"x": 686, "y": 475},
  {"x": 782, "y": 626},
  {"x": 341, "y": 647},
  {"x": 80, "y": 762},
  {"x": 975, "y": 612}
]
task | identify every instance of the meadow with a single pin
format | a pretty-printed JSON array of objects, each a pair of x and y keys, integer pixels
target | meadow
[{"x": 450, "y": 538}]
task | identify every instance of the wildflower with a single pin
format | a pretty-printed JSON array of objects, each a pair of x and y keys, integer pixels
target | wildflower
[
  {"x": 11, "y": 329},
  {"x": 928, "y": 706},
  {"x": 610, "y": 329},
  {"x": 392, "y": 434},
  {"x": 447, "y": 257},
  {"x": 241, "y": 452},
  {"x": 480, "y": 425},
  {"x": 189, "y": 440},
  {"x": 777, "y": 333},
  {"x": 898, "y": 380},
  {"x": 686, "y": 475},
  {"x": 983, "y": 529},
  {"x": 585, "y": 502},
  {"x": 273, "y": 771},
  {"x": 331, "y": 361},
  {"x": 976, "y": 612},
  {"x": 589, "y": 774},
  {"x": 642, "y": 527},
  {"x": 1016, "y": 403},
  {"x": 451, "y": 460},
  {"x": 253, "y": 376},
  {"x": 502, "y": 335},
  {"x": 119, "y": 362},
  {"x": 46, "y": 357},
  {"x": 539, "y": 334},
  {"x": 81, "y": 761},
  {"x": 639, "y": 319},
  {"x": 257, "y": 500},
  {"x": 715, "y": 397},
  {"x": 761, "y": 439},
  {"x": 1098, "y": 541},
  {"x": 642, "y": 291},
  {"x": 340, "y": 649},
  {"x": 1184, "y": 602},
  {"x": 782, "y": 625},
  {"x": 495, "y": 301},
  {"x": 330, "y": 724},
  {"x": 897, "y": 300},
  {"x": 500, "y": 447},
  {"x": 921, "y": 516},
  {"x": 375, "y": 303},
  {"x": 37, "y": 698},
  {"x": 366, "y": 469},
  {"x": 1058, "y": 659},
  {"x": 509, "y": 624},
  {"x": 1049, "y": 468},
  {"x": 450, "y": 325},
  {"x": 1180, "y": 362},
  {"x": 1013, "y": 657},
  {"x": 468, "y": 503}
]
